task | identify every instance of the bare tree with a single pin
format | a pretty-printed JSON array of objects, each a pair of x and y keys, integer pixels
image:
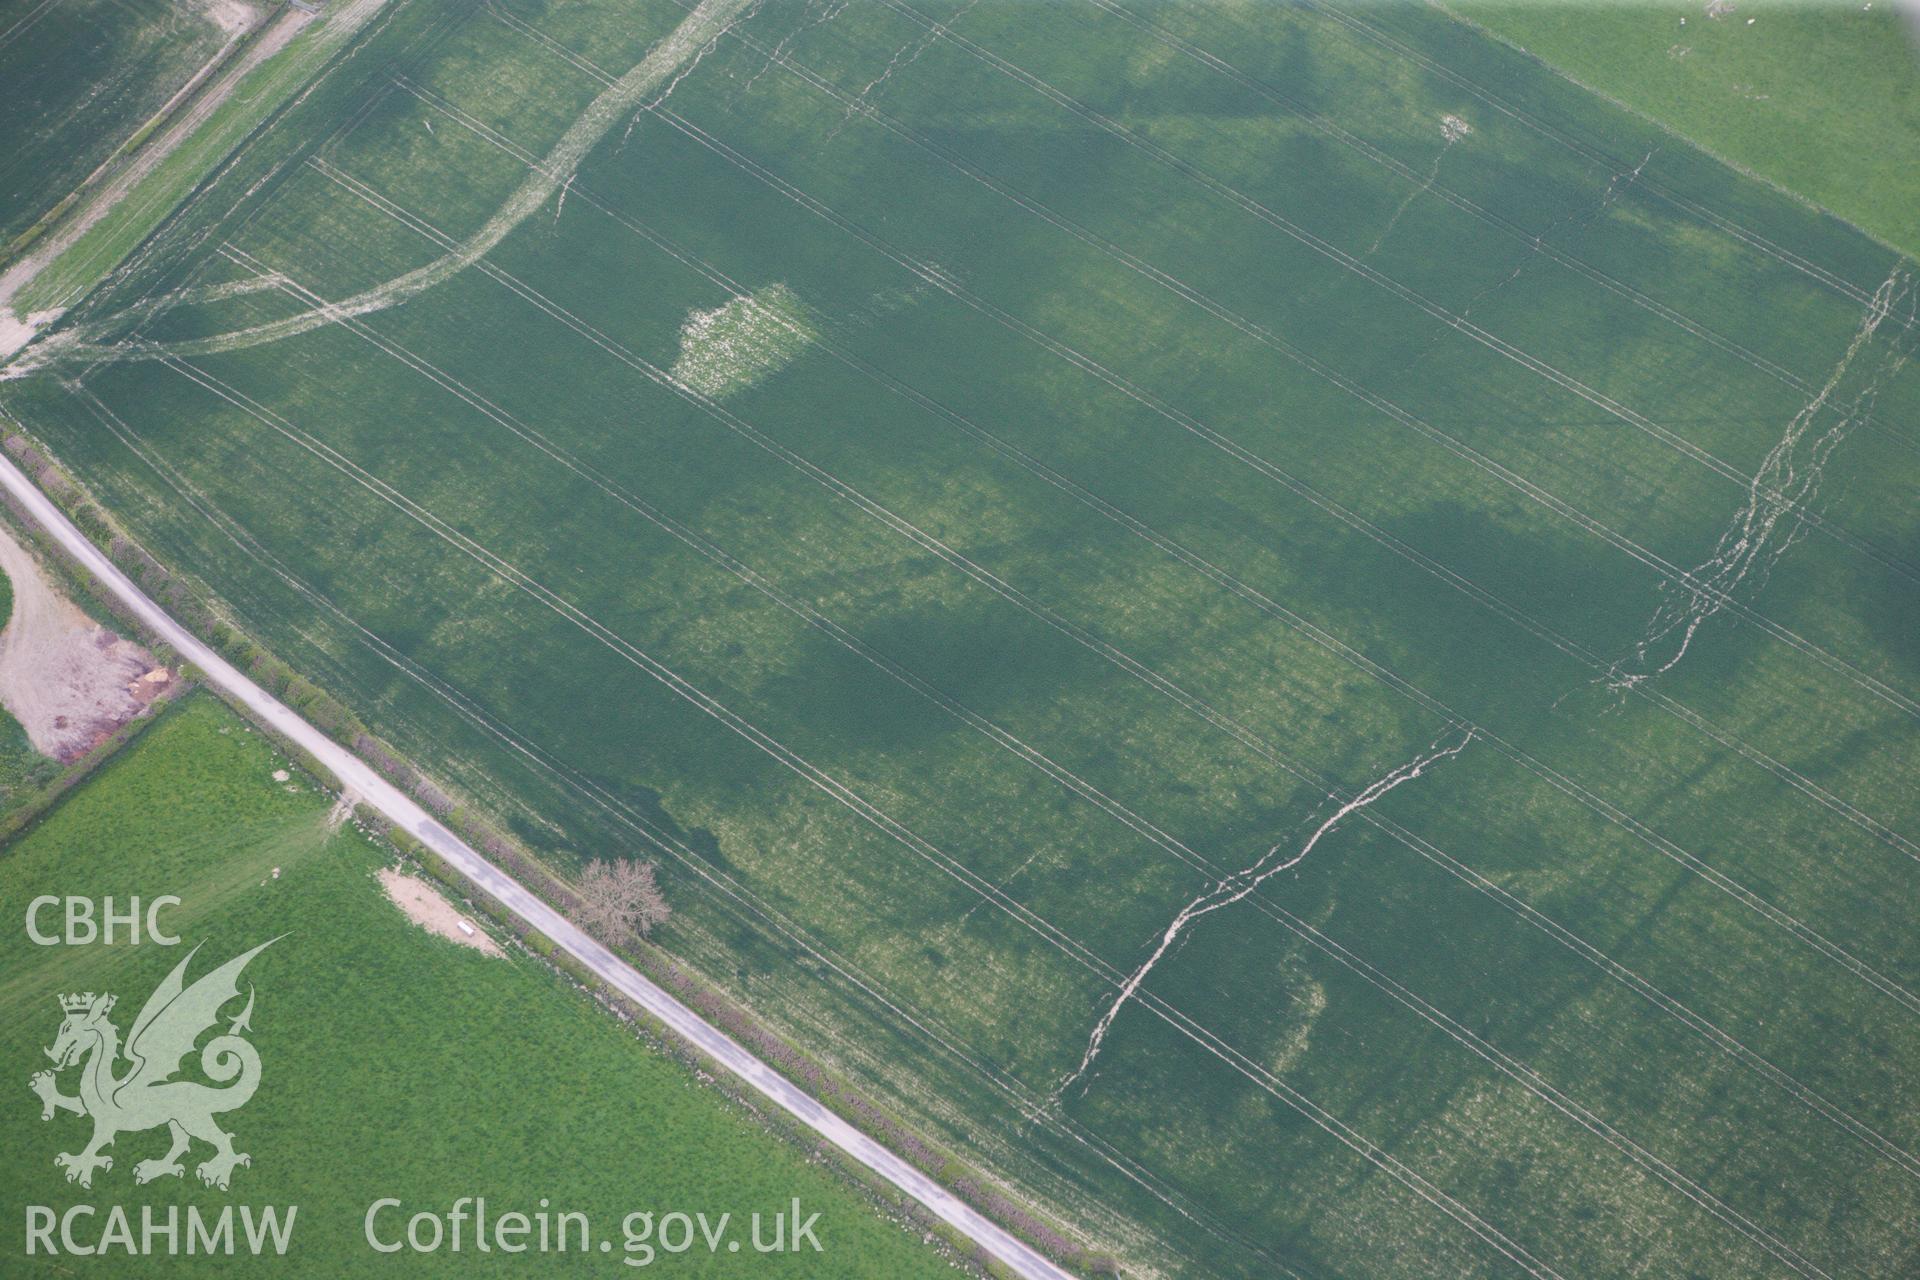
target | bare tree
[{"x": 619, "y": 901}]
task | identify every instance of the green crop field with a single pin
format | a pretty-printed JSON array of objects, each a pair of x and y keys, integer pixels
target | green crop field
[
  {"x": 1278, "y": 624},
  {"x": 79, "y": 77},
  {"x": 394, "y": 1064}
]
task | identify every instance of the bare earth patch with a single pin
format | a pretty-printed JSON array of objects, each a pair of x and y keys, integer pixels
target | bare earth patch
[
  {"x": 235, "y": 17},
  {"x": 426, "y": 907},
  {"x": 741, "y": 342},
  {"x": 16, "y": 332},
  {"x": 69, "y": 681}
]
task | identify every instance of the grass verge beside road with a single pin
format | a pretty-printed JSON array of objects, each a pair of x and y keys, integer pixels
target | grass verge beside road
[{"x": 395, "y": 1063}]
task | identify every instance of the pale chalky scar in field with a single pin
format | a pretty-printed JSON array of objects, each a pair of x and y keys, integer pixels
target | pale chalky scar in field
[{"x": 427, "y": 907}]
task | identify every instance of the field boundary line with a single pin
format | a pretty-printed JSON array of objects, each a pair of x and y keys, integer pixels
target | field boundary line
[
  {"x": 429, "y": 36},
  {"x": 83, "y": 249},
  {"x": 1698, "y": 210},
  {"x": 1331, "y": 128},
  {"x": 1456, "y": 321}
]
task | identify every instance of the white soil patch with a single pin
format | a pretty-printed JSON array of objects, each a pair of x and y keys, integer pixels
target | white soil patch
[
  {"x": 235, "y": 17},
  {"x": 16, "y": 332},
  {"x": 426, "y": 907},
  {"x": 1453, "y": 128},
  {"x": 730, "y": 348},
  {"x": 68, "y": 680}
]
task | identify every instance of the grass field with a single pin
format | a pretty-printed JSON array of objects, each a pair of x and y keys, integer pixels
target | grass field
[
  {"x": 1151, "y": 434},
  {"x": 1823, "y": 99},
  {"x": 80, "y": 76},
  {"x": 394, "y": 1064}
]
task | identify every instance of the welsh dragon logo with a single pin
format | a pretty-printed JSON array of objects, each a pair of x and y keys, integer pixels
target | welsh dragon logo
[{"x": 146, "y": 1095}]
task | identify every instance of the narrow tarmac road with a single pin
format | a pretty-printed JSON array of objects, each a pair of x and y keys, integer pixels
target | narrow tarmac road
[{"x": 402, "y": 810}]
